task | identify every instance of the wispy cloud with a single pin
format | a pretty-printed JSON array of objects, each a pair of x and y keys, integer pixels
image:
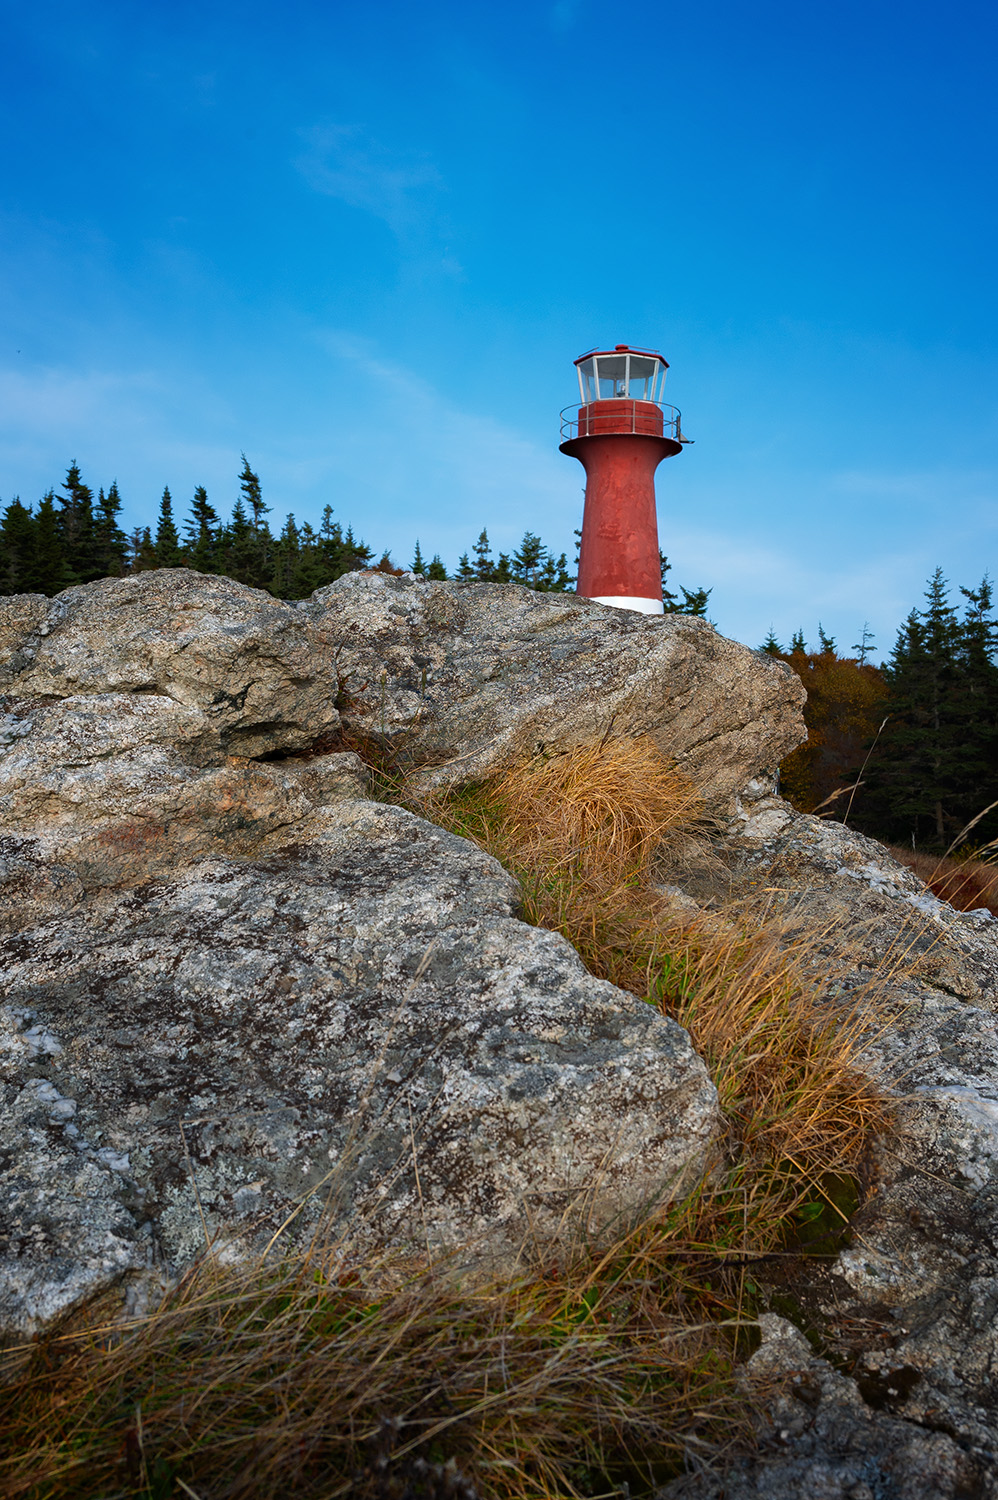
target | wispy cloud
[
  {"x": 400, "y": 188},
  {"x": 444, "y": 471}
]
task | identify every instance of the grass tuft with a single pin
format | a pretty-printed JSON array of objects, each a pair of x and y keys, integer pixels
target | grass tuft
[{"x": 588, "y": 833}]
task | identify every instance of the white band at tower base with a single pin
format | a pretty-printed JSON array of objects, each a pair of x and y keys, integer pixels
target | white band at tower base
[{"x": 628, "y": 601}]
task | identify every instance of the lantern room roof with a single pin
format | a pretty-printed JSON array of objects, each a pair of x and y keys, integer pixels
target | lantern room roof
[{"x": 622, "y": 349}]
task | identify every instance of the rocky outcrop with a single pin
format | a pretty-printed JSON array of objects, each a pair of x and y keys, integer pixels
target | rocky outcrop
[
  {"x": 241, "y": 999},
  {"x": 348, "y": 1026},
  {"x": 461, "y": 680},
  {"x": 907, "y": 1312},
  {"x": 821, "y": 1439},
  {"x": 454, "y": 680}
]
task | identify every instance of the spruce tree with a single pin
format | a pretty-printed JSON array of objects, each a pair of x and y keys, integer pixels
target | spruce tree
[
  {"x": 670, "y": 601},
  {"x": 339, "y": 553},
  {"x": 18, "y": 550},
  {"x": 287, "y": 555},
  {"x": 485, "y": 570},
  {"x": 418, "y": 566},
  {"x": 309, "y": 574},
  {"x": 465, "y": 571},
  {"x": 563, "y": 580},
  {"x": 771, "y": 645},
  {"x": 695, "y": 602},
  {"x": 240, "y": 545},
  {"x": 201, "y": 534},
  {"x": 112, "y": 544},
  {"x": 917, "y": 783},
  {"x": 54, "y": 573},
  {"x": 249, "y": 484},
  {"x": 528, "y": 560},
  {"x": 253, "y": 550},
  {"x": 435, "y": 569},
  {"x": 553, "y": 577},
  {"x": 167, "y": 539},
  {"x": 142, "y": 551},
  {"x": 77, "y": 528},
  {"x": 977, "y": 728}
]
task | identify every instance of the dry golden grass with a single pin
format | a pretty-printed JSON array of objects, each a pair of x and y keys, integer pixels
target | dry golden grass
[
  {"x": 602, "y": 809},
  {"x": 267, "y": 1384},
  {"x": 594, "y": 1368},
  {"x": 585, "y": 833}
]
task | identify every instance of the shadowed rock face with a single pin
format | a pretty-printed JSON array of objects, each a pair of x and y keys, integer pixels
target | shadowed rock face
[
  {"x": 243, "y": 990},
  {"x": 824, "y": 1441},
  {"x": 459, "y": 679}
]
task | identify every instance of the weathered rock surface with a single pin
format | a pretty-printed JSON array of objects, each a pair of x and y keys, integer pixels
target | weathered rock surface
[
  {"x": 910, "y": 1307},
  {"x": 328, "y": 1019},
  {"x": 463, "y": 679},
  {"x": 459, "y": 679},
  {"x": 119, "y": 787},
  {"x": 239, "y": 992},
  {"x": 240, "y": 656},
  {"x": 821, "y": 1440}
]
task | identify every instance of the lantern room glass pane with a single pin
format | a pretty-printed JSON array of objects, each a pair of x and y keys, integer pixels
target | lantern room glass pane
[
  {"x": 612, "y": 370},
  {"x": 587, "y": 380},
  {"x": 642, "y": 378}
]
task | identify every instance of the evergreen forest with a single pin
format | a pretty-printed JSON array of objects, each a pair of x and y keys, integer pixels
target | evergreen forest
[{"x": 906, "y": 751}]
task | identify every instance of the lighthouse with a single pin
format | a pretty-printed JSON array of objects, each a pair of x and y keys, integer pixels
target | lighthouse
[{"x": 620, "y": 433}]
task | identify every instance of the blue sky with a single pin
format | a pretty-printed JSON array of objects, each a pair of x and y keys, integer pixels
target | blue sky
[{"x": 365, "y": 243}]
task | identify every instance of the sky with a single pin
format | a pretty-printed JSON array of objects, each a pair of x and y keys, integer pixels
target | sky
[{"x": 364, "y": 243}]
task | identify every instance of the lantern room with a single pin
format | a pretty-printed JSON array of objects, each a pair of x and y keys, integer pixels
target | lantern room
[{"x": 621, "y": 374}]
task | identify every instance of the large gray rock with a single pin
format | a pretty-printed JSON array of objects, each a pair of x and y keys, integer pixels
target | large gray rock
[
  {"x": 234, "y": 652},
  {"x": 242, "y": 996},
  {"x": 455, "y": 680},
  {"x": 463, "y": 679},
  {"x": 123, "y": 786}
]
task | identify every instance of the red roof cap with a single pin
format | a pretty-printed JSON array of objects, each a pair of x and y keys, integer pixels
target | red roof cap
[{"x": 624, "y": 349}]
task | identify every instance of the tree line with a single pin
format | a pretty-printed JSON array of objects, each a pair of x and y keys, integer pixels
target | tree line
[
  {"x": 72, "y": 536},
  {"x": 907, "y": 751}
]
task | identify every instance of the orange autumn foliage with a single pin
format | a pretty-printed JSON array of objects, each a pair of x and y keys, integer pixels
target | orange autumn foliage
[{"x": 844, "y": 710}]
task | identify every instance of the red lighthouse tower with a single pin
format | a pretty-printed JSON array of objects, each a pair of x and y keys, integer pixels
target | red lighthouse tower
[{"x": 620, "y": 434}]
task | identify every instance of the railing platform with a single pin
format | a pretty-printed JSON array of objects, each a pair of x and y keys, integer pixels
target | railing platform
[{"x": 621, "y": 416}]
